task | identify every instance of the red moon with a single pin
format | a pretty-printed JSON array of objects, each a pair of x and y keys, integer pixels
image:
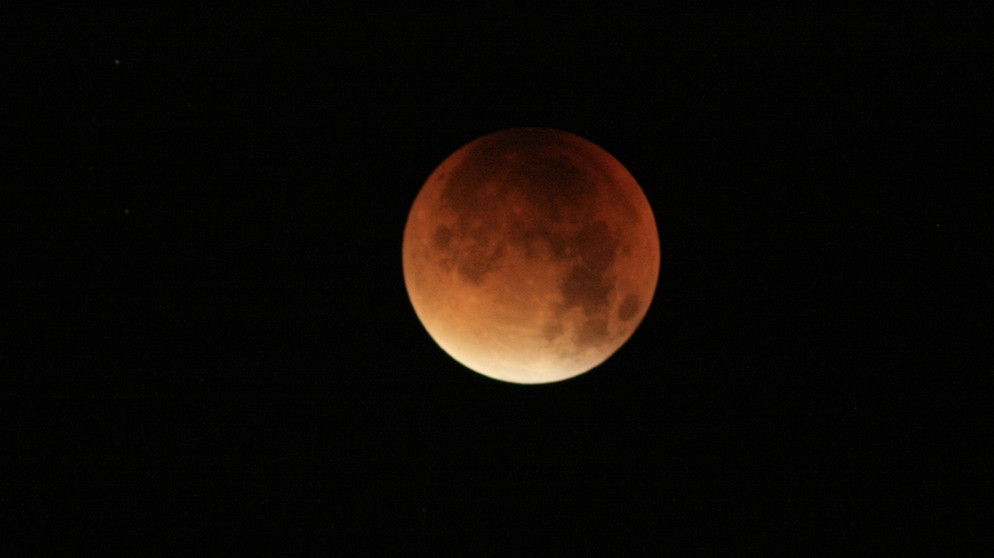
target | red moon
[{"x": 531, "y": 255}]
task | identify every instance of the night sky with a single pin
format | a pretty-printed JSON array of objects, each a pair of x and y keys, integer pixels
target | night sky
[{"x": 210, "y": 344}]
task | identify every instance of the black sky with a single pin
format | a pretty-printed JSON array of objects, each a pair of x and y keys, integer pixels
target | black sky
[{"x": 213, "y": 344}]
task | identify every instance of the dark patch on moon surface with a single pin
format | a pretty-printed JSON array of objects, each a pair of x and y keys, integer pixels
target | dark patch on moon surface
[
  {"x": 629, "y": 307},
  {"x": 553, "y": 184},
  {"x": 442, "y": 237},
  {"x": 587, "y": 284},
  {"x": 585, "y": 288},
  {"x": 596, "y": 246}
]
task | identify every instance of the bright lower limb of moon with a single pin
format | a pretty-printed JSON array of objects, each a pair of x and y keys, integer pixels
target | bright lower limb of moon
[{"x": 514, "y": 330}]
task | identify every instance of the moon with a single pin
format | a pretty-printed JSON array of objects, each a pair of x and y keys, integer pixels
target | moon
[{"x": 531, "y": 255}]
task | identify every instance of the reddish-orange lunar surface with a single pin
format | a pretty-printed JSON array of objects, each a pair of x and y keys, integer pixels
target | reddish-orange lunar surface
[{"x": 531, "y": 255}]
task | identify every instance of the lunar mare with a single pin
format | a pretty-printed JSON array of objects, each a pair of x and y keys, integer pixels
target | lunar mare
[{"x": 530, "y": 255}]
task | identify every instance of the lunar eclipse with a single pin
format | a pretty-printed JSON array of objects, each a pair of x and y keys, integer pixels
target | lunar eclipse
[{"x": 531, "y": 255}]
